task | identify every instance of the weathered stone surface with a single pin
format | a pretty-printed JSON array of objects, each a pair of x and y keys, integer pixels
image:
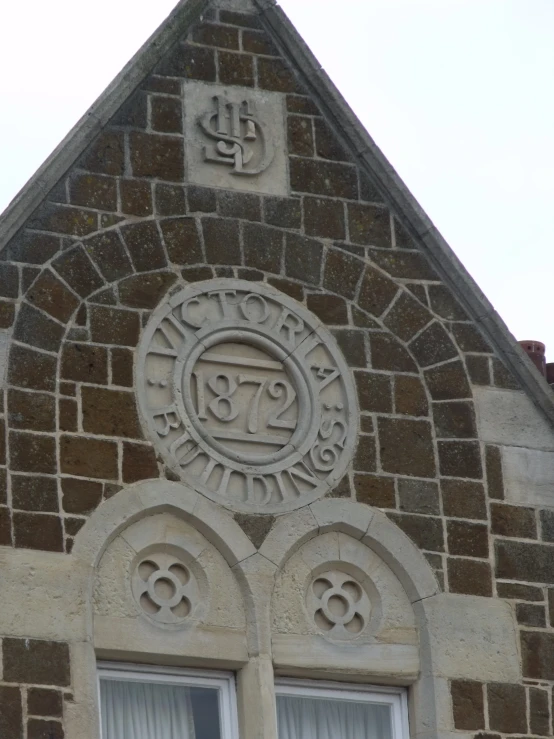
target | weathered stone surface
[
  {"x": 448, "y": 382},
  {"x": 157, "y": 156},
  {"x": 34, "y": 493},
  {"x": 44, "y": 702},
  {"x": 410, "y": 398},
  {"x": 419, "y": 496},
  {"x": 38, "y": 531},
  {"x": 145, "y": 291},
  {"x": 375, "y": 490},
  {"x": 342, "y": 273},
  {"x": 537, "y": 649},
  {"x": 454, "y": 420},
  {"x": 49, "y": 294},
  {"x": 139, "y": 462},
  {"x": 469, "y": 576},
  {"x": 32, "y": 452},
  {"x": 374, "y": 392},
  {"x": 330, "y": 308},
  {"x": 467, "y": 704},
  {"x": 433, "y": 346},
  {"x": 110, "y": 412},
  {"x": 84, "y": 457},
  {"x": 31, "y": 369},
  {"x": 524, "y": 561},
  {"x": 221, "y": 239},
  {"x": 528, "y": 476},
  {"x": 303, "y": 258},
  {"x": 80, "y": 496},
  {"x": 407, "y": 317},
  {"x": 406, "y": 447},
  {"x": 300, "y": 139},
  {"x": 531, "y": 614},
  {"x": 263, "y": 247},
  {"x": 369, "y": 224},
  {"x": 38, "y": 662},
  {"x": 11, "y": 714},
  {"x": 84, "y": 363},
  {"x": 468, "y": 539},
  {"x": 171, "y": 200},
  {"x": 507, "y": 708},
  {"x": 114, "y": 326},
  {"x": 509, "y": 520},
  {"x": 425, "y": 531},
  {"x": 323, "y": 178},
  {"x": 539, "y": 712},
  {"x": 463, "y": 499},
  {"x": 387, "y": 353},
  {"x": 478, "y": 369},
  {"x": 33, "y": 411},
  {"x": 460, "y": 459}
]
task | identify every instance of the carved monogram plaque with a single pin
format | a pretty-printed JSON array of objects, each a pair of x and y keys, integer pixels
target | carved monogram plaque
[
  {"x": 235, "y": 138},
  {"x": 247, "y": 396}
]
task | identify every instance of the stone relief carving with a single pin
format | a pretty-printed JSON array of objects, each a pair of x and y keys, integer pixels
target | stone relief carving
[
  {"x": 338, "y": 604},
  {"x": 164, "y": 588},
  {"x": 247, "y": 396},
  {"x": 235, "y": 138}
]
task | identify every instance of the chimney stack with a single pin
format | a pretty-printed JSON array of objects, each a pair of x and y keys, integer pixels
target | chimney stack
[{"x": 536, "y": 350}]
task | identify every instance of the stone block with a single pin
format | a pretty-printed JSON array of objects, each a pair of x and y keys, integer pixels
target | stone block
[
  {"x": 171, "y": 200},
  {"x": 515, "y": 521},
  {"x": 44, "y": 702},
  {"x": 375, "y": 491},
  {"x": 320, "y": 177},
  {"x": 460, "y": 459},
  {"x": 419, "y": 496},
  {"x": 454, "y": 420},
  {"x": 85, "y": 457},
  {"x": 11, "y": 713},
  {"x": 76, "y": 268},
  {"x": 84, "y": 363},
  {"x": 406, "y": 447},
  {"x": 467, "y": 704},
  {"x": 34, "y": 661},
  {"x": 463, "y": 499},
  {"x": 109, "y": 254},
  {"x": 369, "y": 224},
  {"x": 507, "y": 708},
  {"x": 157, "y": 156},
  {"x": 300, "y": 139},
  {"x": 425, "y": 531},
  {"x": 342, "y": 273},
  {"x": 114, "y": 326},
  {"x": 52, "y": 296},
  {"x": 35, "y": 493},
  {"x": 324, "y": 218},
  {"x": 410, "y": 398},
  {"x": 36, "y": 329},
  {"x": 469, "y": 576},
  {"x": 468, "y": 539},
  {"x": 32, "y": 411},
  {"x": 528, "y": 476},
  {"x": 327, "y": 144},
  {"x": 276, "y": 75},
  {"x": 448, "y": 382}
]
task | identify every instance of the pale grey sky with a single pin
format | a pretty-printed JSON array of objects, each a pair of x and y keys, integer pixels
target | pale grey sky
[{"x": 457, "y": 93}]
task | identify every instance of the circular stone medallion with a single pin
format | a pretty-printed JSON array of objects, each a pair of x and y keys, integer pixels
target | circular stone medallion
[{"x": 247, "y": 396}]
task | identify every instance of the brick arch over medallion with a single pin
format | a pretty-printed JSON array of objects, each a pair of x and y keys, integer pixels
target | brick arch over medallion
[{"x": 82, "y": 316}]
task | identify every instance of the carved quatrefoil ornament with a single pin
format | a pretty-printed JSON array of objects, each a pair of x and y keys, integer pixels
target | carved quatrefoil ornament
[
  {"x": 247, "y": 396},
  {"x": 338, "y": 605}
]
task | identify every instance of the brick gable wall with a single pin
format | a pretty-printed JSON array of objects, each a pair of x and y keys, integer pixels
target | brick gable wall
[{"x": 123, "y": 228}]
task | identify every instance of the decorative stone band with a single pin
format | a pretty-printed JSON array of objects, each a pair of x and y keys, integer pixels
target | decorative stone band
[{"x": 247, "y": 396}]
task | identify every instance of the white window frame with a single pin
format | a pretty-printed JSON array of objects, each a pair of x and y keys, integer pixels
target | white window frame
[
  {"x": 223, "y": 682},
  {"x": 396, "y": 698}
]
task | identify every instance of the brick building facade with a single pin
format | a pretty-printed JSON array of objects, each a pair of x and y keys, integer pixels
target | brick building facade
[{"x": 437, "y": 467}]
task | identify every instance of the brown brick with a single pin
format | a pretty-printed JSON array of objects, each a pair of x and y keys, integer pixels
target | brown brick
[
  {"x": 236, "y": 69},
  {"x": 247, "y": 20},
  {"x": 469, "y": 577},
  {"x": 67, "y": 414},
  {"x": 445, "y": 305},
  {"x": 80, "y": 496},
  {"x": 240, "y": 205},
  {"x": 110, "y": 412},
  {"x": 539, "y": 712},
  {"x": 34, "y": 411},
  {"x": 502, "y": 376},
  {"x": 64, "y": 219},
  {"x": 331, "y": 309},
  {"x": 36, "y": 329},
  {"x": 39, "y": 729},
  {"x": 73, "y": 525},
  {"x": 375, "y": 491},
  {"x": 258, "y": 42},
  {"x": 182, "y": 240},
  {"x": 507, "y": 708},
  {"x": 212, "y": 34},
  {"x": 197, "y": 274},
  {"x": 7, "y": 314},
  {"x": 300, "y": 136},
  {"x": 302, "y": 105},
  {"x": 324, "y": 218},
  {"x": 448, "y": 382},
  {"x": 139, "y": 462},
  {"x": 171, "y": 201},
  {"x": 157, "y": 156},
  {"x": 11, "y": 714},
  {"x": 369, "y": 225},
  {"x": 289, "y": 288},
  {"x": 478, "y": 370},
  {"x": 352, "y": 345},
  {"x": 303, "y": 258},
  {"x": 468, "y": 539},
  {"x": 106, "y": 154},
  {"x": 52, "y": 296},
  {"x": 516, "y": 521},
  {"x": 530, "y": 614},
  {"x": 468, "y": 338},
  {"x": 407, "y": 317},
  {"x": 114, "y": 326},
  {"x": 406, "y": 447},
  {"x": 433, "y": 346},
  {"x": 145, "y": 246},
  {"x": 109, "y": 254},
  {"x": 2, "y": 441},
  {"x": 133, "y": 112},
  {"x": 36, "y": 662},
  {"x": 263, "y": 247},
  {"x": 9, "y": 280},
  {"x": 323, "y": 178},
  {"x": 419, "y": 496},
  {"x": 410, "y": 398},
  {"x": 365, "y": 458},
  {"x": 3, "y": 486},
  {"x": 283, "y": 212},
  {"x": 454, "y": 420},
  {"x": 192, "y": 62},
  {"x": 5, "y": 528},
  {"x": 495, "y": 482},
  {"x": 84, "y": 457},
  {"x": 374, "y": 392},
  {"x": 136, "y": 197},
  {"x": 122, "y": 367},
  {"x": 460, "y": 459},
  {"x": 327, "y": 144},
  {"x": 221, "y": 239},
  {"x": 276, "y": 75},
  {"x": 388, "y": 354},
  {"x": 44, "y": 702},
  {"x": 516, "y": 591},
  {"x": 32, "y": 452},
  {"x": 38, "y": 531},
  {"x": 377, "y": 292},
  {"x": 30, "y": 369},
  {"x": 467, "y": 704},
  {"x": 547, "y": 525},
  {"x": 93, "y": 191},
  {"x": 537, "y": 650},
  {"x": 404, "y": 264},
  {"x": 342, "y": 273},
  {"x": 85, "y": 363},
  {"x": 78, "y": 271},
  {"x": 28, "y": 276},
  {"x": 425, "y": 531},
  {"x": 463, "y": 499},
  {"x": 145, "y": 291},
  {"x": 524, "y": 561}
]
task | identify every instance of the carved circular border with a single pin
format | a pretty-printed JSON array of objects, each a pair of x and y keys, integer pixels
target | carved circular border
[{"x": 198, "y": 339}]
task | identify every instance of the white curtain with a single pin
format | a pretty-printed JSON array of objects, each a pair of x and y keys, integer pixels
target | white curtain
[
  {"x": 141, "y": 710},
  {"x": 310, "y": 718}
]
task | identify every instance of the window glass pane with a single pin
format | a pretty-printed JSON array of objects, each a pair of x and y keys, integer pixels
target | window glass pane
[
  {"x": 300, "y": 717},
  {"x": 147, "y": 710}
]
